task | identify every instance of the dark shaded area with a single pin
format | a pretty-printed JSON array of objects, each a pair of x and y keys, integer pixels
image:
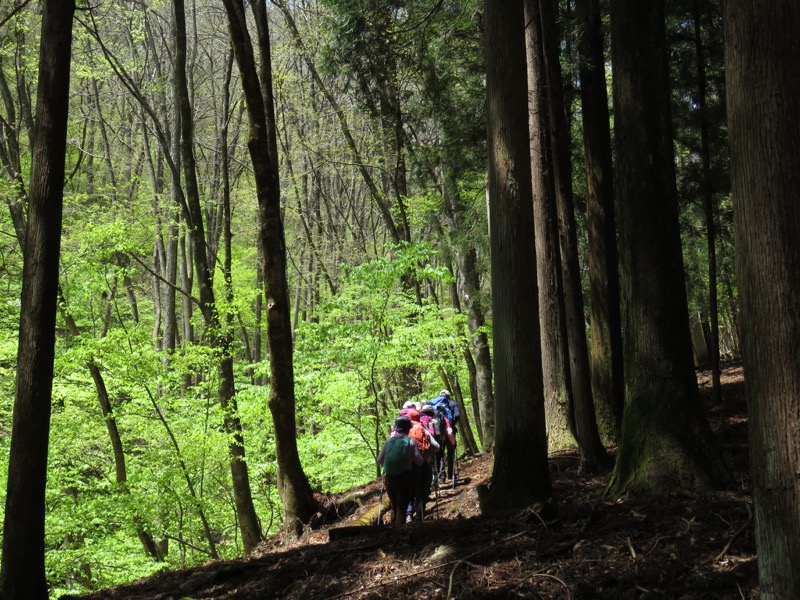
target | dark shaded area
[{"x": 677, "y": 546}]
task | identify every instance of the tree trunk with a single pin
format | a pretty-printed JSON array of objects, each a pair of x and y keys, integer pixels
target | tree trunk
[
  {"x": 10, "y": 157},
  {"x": 245, "y": 510},
  {"x": 666, "y": 441},
  {"x": 297, "y": 497},
  {"x": 520, "y": 474},
  {"x": 604, "y": 309},
  {"x": 22, "y": 571},
  {"x": 762, "y": 62},
  {"x": 555, "y": 366},
  {"x": 473, "y": 390},
  {"x": 593, "y": 453}
]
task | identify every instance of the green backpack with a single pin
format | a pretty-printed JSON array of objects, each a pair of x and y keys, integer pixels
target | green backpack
[{"x": 395, "y": 457}]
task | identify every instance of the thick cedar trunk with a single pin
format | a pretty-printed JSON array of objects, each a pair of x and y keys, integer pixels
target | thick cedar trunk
[
  {"x": 296, "y": 495},
  {"x": 22, "y": 572},
  {"x": 555, "y": 365},
  {"x": 762, "y": 62},
  {"x": 666, "y": 441},
  {"x": 593, "y": 454},
  {"x": 604, "y": 307},
  {"x": 245, "y": 510},
  {"x": 520, "y": 474}
]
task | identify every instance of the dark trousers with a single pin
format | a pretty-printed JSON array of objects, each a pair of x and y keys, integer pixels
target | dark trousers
[
  {"x": 400, "y": 489},
  {"x": 445, "y": 459},
  {"x": 422, "y": 488}
]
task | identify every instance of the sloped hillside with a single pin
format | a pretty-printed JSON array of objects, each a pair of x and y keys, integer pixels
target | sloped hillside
[{"x": 679, "y": 546}]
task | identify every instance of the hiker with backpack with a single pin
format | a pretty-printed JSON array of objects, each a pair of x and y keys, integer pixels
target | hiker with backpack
[
  {"x": 422, "y": 474},
  {"x": 397, "y": 456},
  {"x": 447, "y": 410}
]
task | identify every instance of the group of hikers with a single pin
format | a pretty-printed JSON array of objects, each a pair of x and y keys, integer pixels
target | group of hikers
[{"x": 419, "y": 454}]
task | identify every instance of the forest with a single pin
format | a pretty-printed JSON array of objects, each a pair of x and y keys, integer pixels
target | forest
[{"x": 238, "y": 236}]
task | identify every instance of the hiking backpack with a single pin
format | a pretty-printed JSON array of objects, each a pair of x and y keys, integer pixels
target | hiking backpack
[
  {"x": 443, "y": 404},
  {"x": 429, "y": 423},
  {"x": 443, "y": 414},
  {"x": 418, "y": 433},
  {"x": 395, "y": 456}
]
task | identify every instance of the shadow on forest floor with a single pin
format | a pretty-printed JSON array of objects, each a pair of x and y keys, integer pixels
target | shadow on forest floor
[{"x": 687, "y": 546}]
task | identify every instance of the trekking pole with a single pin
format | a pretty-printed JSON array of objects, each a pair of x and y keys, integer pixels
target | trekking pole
[
  {"x": 436, "y": 490},
  {"x": 455, "y": 465},
  {"x": 380, "y": 504}
]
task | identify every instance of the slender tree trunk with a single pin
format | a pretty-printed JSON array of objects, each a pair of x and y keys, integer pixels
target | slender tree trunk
[
  {"x": 296, "y": 495},
  {"x": 593, "y": 453},
  {"x": 10, "y": 158},
  {"x": 473, "y": 390},
  {"x": 604, "y": 306},
  {"x": 249, "y": 524},
  {"x": 555, "y": 364},
  {"x": 22, "y": 571},
  {"x": 762, "y": 65},
  {"x": 520, "y": 474},
  {"x": 454, "y": 384}
]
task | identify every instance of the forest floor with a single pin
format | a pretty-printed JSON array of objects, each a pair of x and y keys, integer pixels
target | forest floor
[{"x": 681, "y": 546}]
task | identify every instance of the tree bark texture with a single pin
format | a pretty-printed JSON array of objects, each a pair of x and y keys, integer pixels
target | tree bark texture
[
  {"x": 555, "y": 364},
  {"x": 604, "y": 304},
  {"x": 762, "y": 62},
  {"x": 22, "y": 572},
  {"x": 593, "y": 454},
  {"x": 666, "y": 441},
  {"x": 520, "y": 474}
]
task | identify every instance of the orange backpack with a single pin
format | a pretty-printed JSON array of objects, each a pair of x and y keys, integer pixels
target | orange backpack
[{"x": 418, "y": 433}]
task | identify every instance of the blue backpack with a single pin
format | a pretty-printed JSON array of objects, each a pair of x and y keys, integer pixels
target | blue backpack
[
  {"x": 395, "y": 456},
  {"x": 450, "y": 408}
]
